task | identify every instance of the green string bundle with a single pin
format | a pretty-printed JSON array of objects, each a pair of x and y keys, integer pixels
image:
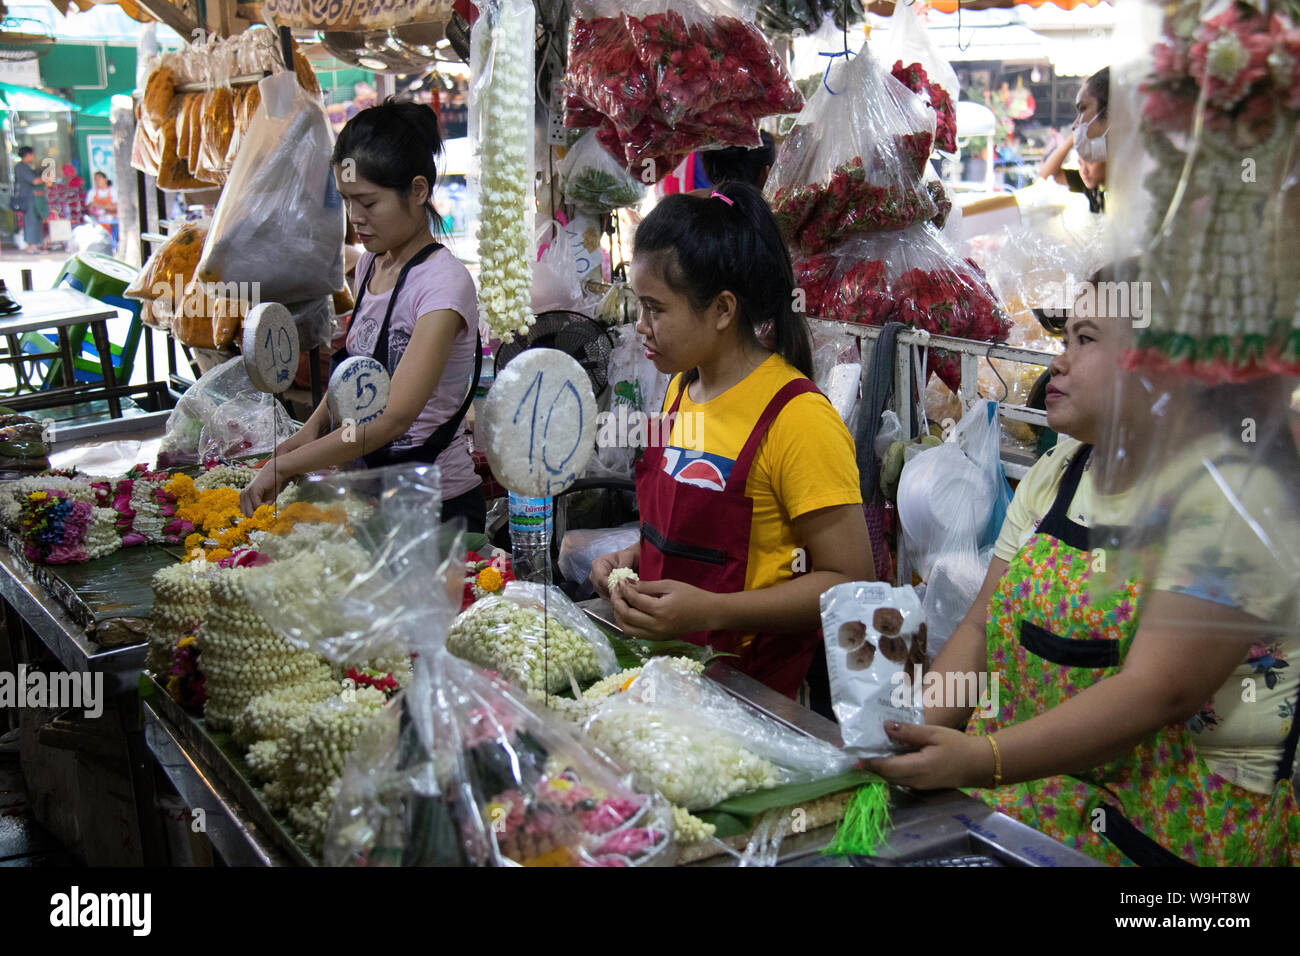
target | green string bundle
[{"x": 865, "y": 823}]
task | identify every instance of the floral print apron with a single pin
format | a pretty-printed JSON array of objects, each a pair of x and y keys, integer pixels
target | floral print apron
[{"x": 1050, "y": 634}]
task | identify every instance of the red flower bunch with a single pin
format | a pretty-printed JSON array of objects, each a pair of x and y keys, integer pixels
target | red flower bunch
[
  {"x": 816, "y": 216},
  {"x": 385, "y": 682},
  {"x": 657, "y": 87},
  {"x": 945, "y": 300},
  {"x": 915, "y": 79}
]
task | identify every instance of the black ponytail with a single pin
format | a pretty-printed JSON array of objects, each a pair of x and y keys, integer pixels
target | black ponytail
[
  {"x": 717, "y": 246},
  {"x": 392, "y": 143}
]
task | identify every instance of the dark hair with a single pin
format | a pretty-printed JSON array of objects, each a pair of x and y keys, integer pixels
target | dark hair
[
  {"x": 739, "y": 164},
  {"x": 25, "y": 151},
  {"x": 392, "y": 143},
  {"x": 1098, "y": 87},
  {"x": 716, "y": 246}
]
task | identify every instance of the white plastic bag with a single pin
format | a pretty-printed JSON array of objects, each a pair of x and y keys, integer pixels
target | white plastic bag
[
  {"x": 952, "y": 500},
  {"x": 908, "y": 42},
  {"x": 837, "y": 370},
  {"x": 555, "y": 275},
  {"x": 280, "y": 219},
  {"x": 223, "y": 415}
]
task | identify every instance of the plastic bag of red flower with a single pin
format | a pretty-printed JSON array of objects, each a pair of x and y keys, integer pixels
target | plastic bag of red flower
[
  {"x": 853, "y": 163},
  {"x": 913, "y": 276},
  {"x": 918, "y": 65},
  {"x": 665, "y": 77}
]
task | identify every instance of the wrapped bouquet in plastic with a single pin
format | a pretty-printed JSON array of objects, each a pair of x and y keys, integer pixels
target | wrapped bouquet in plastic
[
  {"x": 536, "y": 640},
  {"x": 912, "y": 276},
  {"x": 854, "y": 162},
  {"x": 662, "y": 78},
  {"x": 592, "y": 179},
  {"x": 455, "y": 769},
  {"x": 698, "y": 745}
]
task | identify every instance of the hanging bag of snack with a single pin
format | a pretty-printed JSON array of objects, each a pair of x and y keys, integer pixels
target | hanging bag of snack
[
  {"x": 280, "y": 219},
  {"x": 853, "y": 164}
]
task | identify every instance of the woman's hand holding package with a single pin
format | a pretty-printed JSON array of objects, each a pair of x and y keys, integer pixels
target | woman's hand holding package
[{"x": 942, "y": 757}]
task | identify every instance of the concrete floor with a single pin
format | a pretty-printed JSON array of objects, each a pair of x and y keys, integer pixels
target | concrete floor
[{"x": 23, "y": 841}]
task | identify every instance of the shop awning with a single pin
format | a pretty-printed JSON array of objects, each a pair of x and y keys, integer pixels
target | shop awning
[
  {"x": 25, "y": 99},
  {"x": 100, "y": 108},
  {"x": 885, "y": 7},
  {"x": 129, "y": 7}
]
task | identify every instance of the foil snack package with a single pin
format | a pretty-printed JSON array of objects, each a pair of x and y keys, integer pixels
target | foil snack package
[{"x": 875, "y": 644}]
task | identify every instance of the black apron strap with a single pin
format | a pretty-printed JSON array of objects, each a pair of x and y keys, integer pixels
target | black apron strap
[
  {"x": 380, "y": 352},
  {"x": 1057, "y": 521}
]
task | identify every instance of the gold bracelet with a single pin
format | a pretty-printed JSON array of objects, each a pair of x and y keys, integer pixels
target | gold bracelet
[{"x": 997, "y": 762}]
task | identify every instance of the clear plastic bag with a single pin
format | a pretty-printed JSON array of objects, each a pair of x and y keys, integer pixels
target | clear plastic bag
[
  {"x": 917, "y": 63},
  {"x": 875, "y": 640},
  {"x": 594, "y": 181},
  {"x": 223, "y": 415},
  {"x": 581, "y": 547},
  {"x": 645, "y": 76},
  {"x": 217, "y": 124},
  {"x": 853, "y": 163},
  {"x": 698, "y": 745},
  {"x": 537, "y": 641},
  {"x": 837, "y": 370},
  {"x": 636, "y": 388},
  {"x": 280, "y": 219},
  {"x": 806, "y": 17}
]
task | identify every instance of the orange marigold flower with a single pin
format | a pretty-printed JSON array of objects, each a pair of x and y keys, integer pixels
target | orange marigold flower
[{"x": 490, "y": 580}]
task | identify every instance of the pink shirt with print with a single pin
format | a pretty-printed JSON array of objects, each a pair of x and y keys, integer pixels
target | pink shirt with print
[{"x": 440, "y": 282}]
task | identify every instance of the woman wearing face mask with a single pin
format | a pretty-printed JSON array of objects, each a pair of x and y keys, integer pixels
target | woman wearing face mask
[
  {"x": 1088, "y": 140},
  {"x": 416, "y": 312},
  {"x": 1120, "y": 726}
]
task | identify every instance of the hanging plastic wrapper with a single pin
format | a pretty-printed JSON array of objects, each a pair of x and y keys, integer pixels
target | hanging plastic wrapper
[
  {"x": 913, "y": 59},
  {"x": 806, "y": 17},
  {"x": 661, "y": 78},
  {"x": 501, "y": 130},
  {"x": 1195, "y": 456},
  {"x": 854, "y": 162},
  {"x": 457, "y": 768}
]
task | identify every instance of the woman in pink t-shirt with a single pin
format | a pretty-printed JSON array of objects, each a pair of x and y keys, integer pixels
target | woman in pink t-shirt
[{"x": 416, "y": 312}]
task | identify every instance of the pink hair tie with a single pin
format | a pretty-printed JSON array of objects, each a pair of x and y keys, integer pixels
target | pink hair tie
[{"x": 717, "y": 195}]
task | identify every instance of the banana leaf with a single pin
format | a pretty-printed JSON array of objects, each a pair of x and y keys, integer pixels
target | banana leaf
[
  {"x": 633, "y": 652},
  {"x": 738, "y": 814}
]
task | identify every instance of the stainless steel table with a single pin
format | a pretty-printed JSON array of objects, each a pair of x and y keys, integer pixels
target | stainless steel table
[{"x": 58, "y": 310}]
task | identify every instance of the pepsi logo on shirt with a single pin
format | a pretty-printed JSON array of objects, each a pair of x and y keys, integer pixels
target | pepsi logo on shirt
[{"x": 699, "y": 468}]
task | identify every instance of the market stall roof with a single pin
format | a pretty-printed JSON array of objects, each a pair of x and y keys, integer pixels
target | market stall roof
[
  {"x": 25, "y": 99},
  {"x": 132, "y": 9},
  {"x": 886, "y": 7}
]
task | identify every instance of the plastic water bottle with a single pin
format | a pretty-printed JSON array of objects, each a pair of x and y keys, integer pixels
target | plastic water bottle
[{"x": 531, "y": 526}]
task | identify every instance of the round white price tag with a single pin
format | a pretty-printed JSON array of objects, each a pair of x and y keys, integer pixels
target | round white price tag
[
  {"x": 270, "y": 347},
  {"x": 540, "y": 419},
  {"x": 358, "y": 391}
]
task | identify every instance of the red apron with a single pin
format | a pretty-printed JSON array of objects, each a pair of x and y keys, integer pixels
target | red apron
[{"x": 700, "y": 536}]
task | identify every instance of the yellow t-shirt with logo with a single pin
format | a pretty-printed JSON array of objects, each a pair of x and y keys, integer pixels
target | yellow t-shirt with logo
[
  {"x": 805, "y": 462},
  {"x": 1210, "y": 552}
]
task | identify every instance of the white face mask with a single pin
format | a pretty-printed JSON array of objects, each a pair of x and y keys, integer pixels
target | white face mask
[{"x": 1090, "y": 150}]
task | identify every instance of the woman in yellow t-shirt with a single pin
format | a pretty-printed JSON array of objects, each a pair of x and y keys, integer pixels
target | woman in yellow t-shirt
[
  {"x": 751, "y": 506},
  {"x": 1121, "y": 727}
]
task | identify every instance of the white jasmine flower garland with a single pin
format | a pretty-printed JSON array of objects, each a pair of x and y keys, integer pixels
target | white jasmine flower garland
[
  {"x": 226, "y": 476},
  {"x": 180, "y": 604},
  {"x": 502, "y": 100}
]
